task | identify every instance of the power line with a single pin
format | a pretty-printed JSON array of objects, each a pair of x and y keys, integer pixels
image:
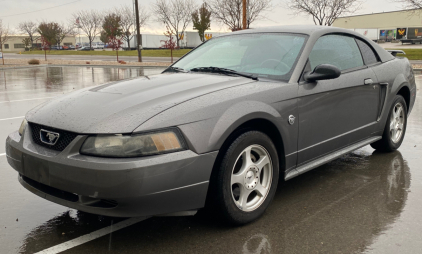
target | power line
[{"x": 40, "y": 10}]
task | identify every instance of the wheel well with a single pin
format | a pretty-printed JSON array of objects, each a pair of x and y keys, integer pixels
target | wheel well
[
  {"x": 405, "y": 92},
  {"x": 262, "y": 125}
]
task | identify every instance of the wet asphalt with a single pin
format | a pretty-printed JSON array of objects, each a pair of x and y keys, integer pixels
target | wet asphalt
[{"x": 364, "y": 202}]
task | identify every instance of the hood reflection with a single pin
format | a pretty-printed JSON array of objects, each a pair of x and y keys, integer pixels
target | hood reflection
[{"x": 339, "y": 207}]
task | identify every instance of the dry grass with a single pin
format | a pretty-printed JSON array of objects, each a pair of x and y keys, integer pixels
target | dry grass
[{"x": 34, "y": 62}]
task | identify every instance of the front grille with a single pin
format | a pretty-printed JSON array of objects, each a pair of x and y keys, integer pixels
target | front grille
[{"x": 64, "y": 140}]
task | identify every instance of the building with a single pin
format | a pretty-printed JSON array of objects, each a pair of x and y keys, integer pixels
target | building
[
  {"x": 386, "y": 25},
  {"x": 188, "y": 39},
  {"x": 14, "y": 43}
]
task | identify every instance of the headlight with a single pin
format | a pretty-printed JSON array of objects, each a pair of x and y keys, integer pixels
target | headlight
[
  {"x": 123, "y": 146},
  {"x": 23, "y": 126}
]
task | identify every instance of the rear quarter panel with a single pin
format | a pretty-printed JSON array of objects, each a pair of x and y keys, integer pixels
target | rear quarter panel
[{"x": 396, "y": 73}]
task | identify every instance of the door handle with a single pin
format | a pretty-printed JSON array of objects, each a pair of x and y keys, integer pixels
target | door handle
[{"x": 369, "y": 81}]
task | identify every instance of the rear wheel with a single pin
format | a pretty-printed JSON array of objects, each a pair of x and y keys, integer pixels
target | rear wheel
[
  {"x": 395, "y": 128},
  {"x": 247, "y": 178}
]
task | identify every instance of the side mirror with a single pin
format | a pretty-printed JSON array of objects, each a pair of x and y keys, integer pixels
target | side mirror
[{"x": 323, "y": 72}]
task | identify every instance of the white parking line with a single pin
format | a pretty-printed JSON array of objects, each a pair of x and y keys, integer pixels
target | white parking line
[
  {"x": 92, "y": 236},
  {"x": 4, "y": 119},
  {"x": 2, "y": 154},
  {"x": 27, "y": 99}
]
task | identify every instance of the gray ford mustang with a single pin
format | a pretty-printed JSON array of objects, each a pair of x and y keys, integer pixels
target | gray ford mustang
[{"x": 221, "y": 125}]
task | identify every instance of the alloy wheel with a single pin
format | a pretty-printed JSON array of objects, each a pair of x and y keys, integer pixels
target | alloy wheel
[
  {"x": 251, "y": 178},
  {"x": 397, "y": 119}
]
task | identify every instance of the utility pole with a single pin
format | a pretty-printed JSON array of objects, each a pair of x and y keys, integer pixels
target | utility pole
[
  {"x": 138, "y": 31},
  {"x": 1, "y": 46},
  {"x": 244, "y": 15}
]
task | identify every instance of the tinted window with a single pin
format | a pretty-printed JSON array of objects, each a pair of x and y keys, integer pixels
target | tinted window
[
  {"x": 368, "y": 54},
  {"x": 340, "y": 51}
]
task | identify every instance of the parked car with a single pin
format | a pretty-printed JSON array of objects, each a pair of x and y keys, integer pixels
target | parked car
[
  {"x": 85, "y": 49},
  {"x": 221, "y": 125},
  {"x": 71, "y": 47}
]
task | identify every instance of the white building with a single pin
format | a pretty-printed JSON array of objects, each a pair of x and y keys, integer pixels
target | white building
[{"x": 189, "y": 39}]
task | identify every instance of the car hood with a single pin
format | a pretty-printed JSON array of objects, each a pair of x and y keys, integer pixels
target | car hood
[{"x": 120, "y": 107}]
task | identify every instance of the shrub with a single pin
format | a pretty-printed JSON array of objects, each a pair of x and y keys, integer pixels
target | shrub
[{"x": 34, "y": 61}]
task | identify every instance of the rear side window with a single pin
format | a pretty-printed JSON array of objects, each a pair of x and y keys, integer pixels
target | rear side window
[
  {"x": 338, "y": 50},
  {"x": 368, "y": 54}
]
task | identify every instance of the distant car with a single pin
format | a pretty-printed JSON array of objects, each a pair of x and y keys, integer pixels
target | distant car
[
  {"x": 220, "y": 126},
  {"x": 85, "y": 49},
  {"x": 100, "y": 45},
  {"x": 71, "y": 47}
]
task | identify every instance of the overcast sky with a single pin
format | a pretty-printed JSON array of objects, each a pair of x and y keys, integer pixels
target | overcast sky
[{"x": 280, "y": 15}]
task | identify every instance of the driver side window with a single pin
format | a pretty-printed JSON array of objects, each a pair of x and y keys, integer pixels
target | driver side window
[{"x": 338, "y": 50}]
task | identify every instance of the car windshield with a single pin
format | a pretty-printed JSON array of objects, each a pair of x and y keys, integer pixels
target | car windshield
[{"x": 263, "y": 55}]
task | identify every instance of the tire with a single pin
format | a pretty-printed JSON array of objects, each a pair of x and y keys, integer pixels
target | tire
[
  {"x": 259, "y": 180},
  {"x": 392, "y": 140}
]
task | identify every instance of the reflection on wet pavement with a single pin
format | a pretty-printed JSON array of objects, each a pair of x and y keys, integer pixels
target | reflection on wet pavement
[
  {"x": 339, "y": 207},
  {"x": 362, "y": 202}
]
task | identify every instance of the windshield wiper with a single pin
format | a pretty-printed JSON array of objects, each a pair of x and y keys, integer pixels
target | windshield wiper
[
  {"x": 223, "y": 71},
  {"x": 174, "y": 69}
]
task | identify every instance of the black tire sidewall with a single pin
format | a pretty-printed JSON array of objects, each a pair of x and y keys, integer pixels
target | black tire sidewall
[{"x": 232, "y": 212}]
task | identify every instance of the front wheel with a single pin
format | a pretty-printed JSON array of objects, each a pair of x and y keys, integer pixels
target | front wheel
[
  {"x": 247, "y": 178},
  {"x": 395, "y": 127}
]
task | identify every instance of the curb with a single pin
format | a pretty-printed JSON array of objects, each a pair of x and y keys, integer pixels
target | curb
[{"x": 417, "y": 71}]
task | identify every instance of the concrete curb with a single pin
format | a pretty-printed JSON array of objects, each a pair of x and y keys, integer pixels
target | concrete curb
[{"x": 417, "y": 71}]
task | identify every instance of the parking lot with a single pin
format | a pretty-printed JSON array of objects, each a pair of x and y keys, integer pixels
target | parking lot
[{"x": 361, "y": 202}]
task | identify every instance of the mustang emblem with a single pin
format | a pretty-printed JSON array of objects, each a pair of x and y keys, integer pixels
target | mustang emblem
[{"x": 49, "y": 137}]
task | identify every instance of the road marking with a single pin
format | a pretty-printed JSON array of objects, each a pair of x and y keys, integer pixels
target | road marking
[
  {"x": 27, "y": 99},
  {"x": 11, "y": 118},
  {"x": 2, "y": 154},
  {"x": 91, "y": 236}
]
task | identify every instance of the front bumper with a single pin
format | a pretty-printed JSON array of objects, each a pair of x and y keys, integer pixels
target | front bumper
[{"x": 112, "y": 187}]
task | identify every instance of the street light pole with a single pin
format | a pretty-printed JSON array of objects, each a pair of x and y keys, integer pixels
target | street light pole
[
  {"x": 138, "y": 32},
  {"x": 244, "y": 15}
]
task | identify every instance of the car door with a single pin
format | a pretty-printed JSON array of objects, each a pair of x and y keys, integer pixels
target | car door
[{"x": 336, "y": 113}]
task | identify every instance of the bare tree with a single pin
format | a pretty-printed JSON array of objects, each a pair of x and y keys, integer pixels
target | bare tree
[
  {"x": 63, "y": 30},
  {"x": 127, "y": 21},
  {"x": 229, "y": 12},
  {"x": 31, "y": 29},
  {"x": 4, "y": 36},
  {"x": 412, "y": 5},
  {"x": 175, "y": 14},
  {"x": 324, "y": 12},
  {"x": 89, "y": 22}
]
